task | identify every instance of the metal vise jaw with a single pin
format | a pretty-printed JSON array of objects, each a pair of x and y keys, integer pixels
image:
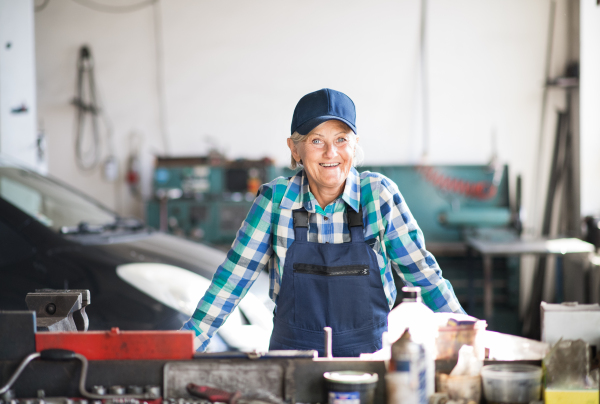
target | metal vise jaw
[{"x": 60, "y": 310}]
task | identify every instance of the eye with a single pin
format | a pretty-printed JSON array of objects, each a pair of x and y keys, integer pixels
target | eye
[
  {"x": 316, "y": 141},
  {"x": 341, "y": 139}
]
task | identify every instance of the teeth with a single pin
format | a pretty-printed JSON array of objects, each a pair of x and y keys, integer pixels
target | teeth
[{"x": 330, "y": 165}]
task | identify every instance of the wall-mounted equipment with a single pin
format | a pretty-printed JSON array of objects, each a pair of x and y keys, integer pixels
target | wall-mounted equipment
[{"x": 205, "y": 198}]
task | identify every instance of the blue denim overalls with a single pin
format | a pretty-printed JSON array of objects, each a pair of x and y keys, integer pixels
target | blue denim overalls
[{"x": 330, "y": 285}]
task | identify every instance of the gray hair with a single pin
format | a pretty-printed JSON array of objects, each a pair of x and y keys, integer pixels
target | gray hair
[{"x": 357, "y": 160}]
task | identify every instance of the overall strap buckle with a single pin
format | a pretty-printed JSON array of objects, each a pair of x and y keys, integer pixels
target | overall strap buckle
[
  {"x": 300, "y": 218},
  {"x": 300, "y": 225},
  {"x": 355, "y": 219}
]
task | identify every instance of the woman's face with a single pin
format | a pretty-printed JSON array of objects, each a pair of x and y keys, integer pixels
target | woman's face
[{"x": 326, "y": 155}]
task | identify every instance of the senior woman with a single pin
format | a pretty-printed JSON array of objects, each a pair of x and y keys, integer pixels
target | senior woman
[{"x": 330, "y": 237}]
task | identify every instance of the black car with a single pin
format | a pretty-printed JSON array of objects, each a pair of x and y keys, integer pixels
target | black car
[{"x": 52, "y": 236}]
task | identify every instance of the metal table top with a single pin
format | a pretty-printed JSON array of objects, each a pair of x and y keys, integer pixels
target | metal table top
[
  {"x": 537, "y": 246},
  {"x": 508, "y": 246}
]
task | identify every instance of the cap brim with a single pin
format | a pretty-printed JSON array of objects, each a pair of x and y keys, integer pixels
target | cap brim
[{"x": 309, "y": 125}]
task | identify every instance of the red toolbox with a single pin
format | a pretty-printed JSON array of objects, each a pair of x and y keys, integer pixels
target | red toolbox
[{"x": 116, "y": 344}]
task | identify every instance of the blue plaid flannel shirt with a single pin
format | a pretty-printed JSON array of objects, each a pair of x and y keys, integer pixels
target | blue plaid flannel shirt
[{"x": 268, "y": 232}]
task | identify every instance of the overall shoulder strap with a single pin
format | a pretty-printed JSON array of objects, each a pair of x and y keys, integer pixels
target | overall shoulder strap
[
  {"x": 300, "y": 218},
  {"x": 355, "y": 224}
]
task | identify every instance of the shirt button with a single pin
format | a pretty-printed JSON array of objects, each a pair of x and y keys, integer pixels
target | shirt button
[{"x": 326, "y": 218}]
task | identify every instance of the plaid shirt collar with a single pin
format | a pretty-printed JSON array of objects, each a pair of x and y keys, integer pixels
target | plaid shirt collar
[{"x": 298, "y": 195}]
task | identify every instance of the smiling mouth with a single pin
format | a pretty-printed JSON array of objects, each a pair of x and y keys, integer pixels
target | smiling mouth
[{"x": 329, "y": 164}]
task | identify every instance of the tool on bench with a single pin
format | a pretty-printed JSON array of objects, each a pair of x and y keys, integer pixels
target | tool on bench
[
  {"x": 59, "y": 310},
  {"x": 254, "y": 355},
  {"x": 216, "y": 395},
  {"x": 213, "y": 395}
]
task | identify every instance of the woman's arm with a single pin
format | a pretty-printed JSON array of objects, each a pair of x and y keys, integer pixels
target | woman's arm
[
  {"x": 405, "y": 245},
  {"x": 248, "y": 255}
]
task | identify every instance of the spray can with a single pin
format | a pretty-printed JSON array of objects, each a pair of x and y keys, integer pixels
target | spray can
[
  {"x": 406, "y": 379},
  {"x": 413, "y": 314}
]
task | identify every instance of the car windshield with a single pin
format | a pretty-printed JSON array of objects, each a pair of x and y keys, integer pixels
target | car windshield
[{"x": 51, "y": 203}]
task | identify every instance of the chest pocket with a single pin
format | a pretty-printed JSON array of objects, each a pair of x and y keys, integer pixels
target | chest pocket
[{"x": 336, "y": 296}]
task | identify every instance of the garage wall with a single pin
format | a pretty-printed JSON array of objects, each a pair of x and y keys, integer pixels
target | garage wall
[
  {"x": 233, "y": 71},
  {"x": 590, "y": 102}
]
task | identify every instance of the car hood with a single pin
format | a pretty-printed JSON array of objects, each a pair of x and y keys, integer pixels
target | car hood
[
  {"x": 164, "y": 248},
  {"x": 167, "y": 249}
]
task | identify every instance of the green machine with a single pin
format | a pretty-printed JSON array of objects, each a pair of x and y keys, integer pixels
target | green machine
[
  {"x": 448, "y": 201},
  {"x": 205, "y": 198}
]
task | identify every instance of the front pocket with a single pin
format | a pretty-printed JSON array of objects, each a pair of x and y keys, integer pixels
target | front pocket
[
  {"x": 343, "y": 270},
  {"x": 332, "y": 296}
]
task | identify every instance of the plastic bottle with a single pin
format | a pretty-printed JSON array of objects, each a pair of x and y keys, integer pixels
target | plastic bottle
[
  {"x": 405, "y": 380},
  {"x": 414, "y": 315}
]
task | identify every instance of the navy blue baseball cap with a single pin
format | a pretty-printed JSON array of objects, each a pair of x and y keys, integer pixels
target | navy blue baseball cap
[{"x": 323, "y": 105}]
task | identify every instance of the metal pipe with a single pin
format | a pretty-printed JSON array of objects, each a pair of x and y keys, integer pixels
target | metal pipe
[
  {"x": 83, "y": 391},
  {"x": 328, "y": 342},
  {"x": 18, "y": 372},
  {"x": 539, "y": 162}
]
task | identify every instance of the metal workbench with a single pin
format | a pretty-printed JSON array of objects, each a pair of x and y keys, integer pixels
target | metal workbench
[{"x": 489, "y": 249}]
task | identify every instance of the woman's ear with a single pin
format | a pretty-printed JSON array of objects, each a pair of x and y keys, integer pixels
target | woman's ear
[{"x": 294, "y": 149}]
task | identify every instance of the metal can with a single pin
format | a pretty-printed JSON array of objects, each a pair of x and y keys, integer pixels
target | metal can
[{"x": 348, "y": 387}]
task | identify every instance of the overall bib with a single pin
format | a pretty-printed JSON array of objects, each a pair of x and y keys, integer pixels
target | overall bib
[{"x": 330, "y": 285}]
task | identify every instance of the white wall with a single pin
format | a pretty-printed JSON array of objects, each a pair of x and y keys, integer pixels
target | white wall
[
  {"x": 123, "y": 48},
  {"x": 233, "y": 71},
  {"x": 590, "y": 108},
  {"x": 18, "y": 131}
]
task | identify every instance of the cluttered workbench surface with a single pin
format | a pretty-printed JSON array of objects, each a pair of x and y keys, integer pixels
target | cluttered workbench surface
[{"x": 443, "y": 358}]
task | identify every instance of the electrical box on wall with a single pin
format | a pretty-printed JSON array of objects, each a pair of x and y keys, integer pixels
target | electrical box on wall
[{"x": 19, "y": 138}]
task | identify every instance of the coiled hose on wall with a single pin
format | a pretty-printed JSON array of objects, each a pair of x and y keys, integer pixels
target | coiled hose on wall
[{"x": 86, "y": 160}]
